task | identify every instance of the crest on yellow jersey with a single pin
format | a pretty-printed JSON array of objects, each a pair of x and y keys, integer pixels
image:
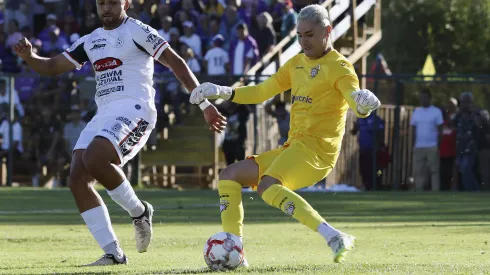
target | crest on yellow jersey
[{"x": 314, "y": 71}]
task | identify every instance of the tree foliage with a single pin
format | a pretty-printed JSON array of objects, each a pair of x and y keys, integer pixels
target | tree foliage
[{"x": 455, "y": 32}]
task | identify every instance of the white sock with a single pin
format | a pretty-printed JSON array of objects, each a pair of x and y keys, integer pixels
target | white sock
[
  {"x": 124, "y": 196},
  {"x": 99, "y": 224},
  {"x": 327, "y": 231}
]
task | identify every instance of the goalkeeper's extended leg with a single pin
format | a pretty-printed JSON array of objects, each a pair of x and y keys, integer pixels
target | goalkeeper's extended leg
[
  {"x": 231, "y": 181},
  {"x": 275, "y": 194}
]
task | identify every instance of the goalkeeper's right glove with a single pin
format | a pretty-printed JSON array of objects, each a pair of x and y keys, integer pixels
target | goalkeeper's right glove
[{"x": 210, "y": 91}]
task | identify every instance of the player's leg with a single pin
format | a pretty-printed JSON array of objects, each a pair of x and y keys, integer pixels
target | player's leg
[
  {"x": 94, "y": 212},
  {"x": 240, "y": 174},
  {"x": 119, "y": 138},
  {"x": 101, "y": 160},
  {"x": 280, "y": 180}
]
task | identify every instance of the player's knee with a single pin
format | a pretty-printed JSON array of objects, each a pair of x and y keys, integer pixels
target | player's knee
[
  {"x": 229, "y": 173},
  {"x": 78, "y": 178},
  {"x": 265, "y": 183}
]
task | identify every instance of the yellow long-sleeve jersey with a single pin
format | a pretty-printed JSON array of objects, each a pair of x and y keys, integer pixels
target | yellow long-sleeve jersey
[{"x": 321, "y": 94}]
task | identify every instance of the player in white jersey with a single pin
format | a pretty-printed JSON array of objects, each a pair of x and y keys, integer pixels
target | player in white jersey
[{"x": 122, "y": 54}]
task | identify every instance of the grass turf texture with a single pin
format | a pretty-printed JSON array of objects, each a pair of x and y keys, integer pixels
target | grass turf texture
[{"x": 398, "y": 233}]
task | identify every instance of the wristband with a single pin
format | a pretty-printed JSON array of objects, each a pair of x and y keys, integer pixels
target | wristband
[{"x": 203, "y": 105}]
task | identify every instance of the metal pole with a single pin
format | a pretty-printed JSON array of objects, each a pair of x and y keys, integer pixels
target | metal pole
[
  {"x": 374, "y": 159},
  {"x": 10, "y": 160},
  {"x": 396, "y": 136}
]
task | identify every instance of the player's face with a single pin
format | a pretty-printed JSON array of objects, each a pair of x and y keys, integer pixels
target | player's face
[
  {"x": 313, "y": 38},
  {"x": 111, "y": 12}
]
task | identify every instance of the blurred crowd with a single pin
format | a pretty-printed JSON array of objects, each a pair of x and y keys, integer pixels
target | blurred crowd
[
  {"x": 215, "y": 37},
  {"x": 451, "y": 146}
]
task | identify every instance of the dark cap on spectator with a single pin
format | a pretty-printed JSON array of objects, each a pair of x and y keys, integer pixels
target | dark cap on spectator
[{"x": 242, "y": 26}]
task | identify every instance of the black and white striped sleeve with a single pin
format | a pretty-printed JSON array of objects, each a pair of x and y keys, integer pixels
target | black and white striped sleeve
[{"x": 76, "y": 53}]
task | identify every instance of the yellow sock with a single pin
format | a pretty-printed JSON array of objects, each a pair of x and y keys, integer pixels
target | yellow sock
[
  {"x": 293, "y": 205},
  {"x": 231, "y": 207}
]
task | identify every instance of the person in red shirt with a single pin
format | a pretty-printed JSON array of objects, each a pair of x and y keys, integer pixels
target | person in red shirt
[{"x": 447, "y": 149}]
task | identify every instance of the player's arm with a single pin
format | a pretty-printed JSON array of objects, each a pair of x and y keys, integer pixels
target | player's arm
[
  {"x": 276, "y": 84},
  {"x": 42, "y": 65},
  {"x": 148, "y": 40},
  {"x": 180, "y": 69}
]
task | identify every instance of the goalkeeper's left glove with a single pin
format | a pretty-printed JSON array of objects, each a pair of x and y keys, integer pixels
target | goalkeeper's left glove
[
  {"x": 210, "y": 91},
  {"x": 366, "y": 101}
]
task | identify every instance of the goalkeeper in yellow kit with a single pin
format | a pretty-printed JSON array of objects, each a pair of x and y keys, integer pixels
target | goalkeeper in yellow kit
[{"x": 323, "y": 86}]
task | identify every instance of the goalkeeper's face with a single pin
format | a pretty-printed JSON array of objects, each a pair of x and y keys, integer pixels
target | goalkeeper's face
[
  {"x": 313, "y": 38},
  {"x": 111, "y": 12}
]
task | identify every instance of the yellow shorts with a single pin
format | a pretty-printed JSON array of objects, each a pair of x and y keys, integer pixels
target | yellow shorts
[{"x": 296, "y": 165}]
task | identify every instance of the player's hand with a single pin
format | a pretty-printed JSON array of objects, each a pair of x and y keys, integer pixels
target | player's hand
[
  {"x": 209, "y": 91},
  {"x": 23, "y": 48},
  {"x": 366, "y": 101},
  {"x": 216, "y": 121}
]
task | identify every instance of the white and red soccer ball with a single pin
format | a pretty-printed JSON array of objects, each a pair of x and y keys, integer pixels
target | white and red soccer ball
[{"x": 223, "y": 251}]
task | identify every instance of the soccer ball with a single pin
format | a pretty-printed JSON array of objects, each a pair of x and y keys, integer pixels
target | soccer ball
[{"x": 223, "y": 251}]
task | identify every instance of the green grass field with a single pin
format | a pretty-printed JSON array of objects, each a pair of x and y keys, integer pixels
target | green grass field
[{"x": 398, "y": 233}]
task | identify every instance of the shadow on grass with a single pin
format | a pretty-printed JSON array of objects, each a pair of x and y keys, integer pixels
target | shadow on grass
[{"x": 27, "y": 206}]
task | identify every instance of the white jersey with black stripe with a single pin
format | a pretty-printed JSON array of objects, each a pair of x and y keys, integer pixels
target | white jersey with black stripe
[{"x": 122, "y": 60}]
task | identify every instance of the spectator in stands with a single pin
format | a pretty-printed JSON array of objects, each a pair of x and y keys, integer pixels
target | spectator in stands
[
  {"x": 18, "y": 149},
  {"x": 24, "y": 16},
  {"x": 229, "y": 24},
  {"x": 14, "y": 35},
  {"x": 191, "y": 61},
  {"x": 5, "y": 97},
  {"x": 447, "y": 150},
  {"x": 26, "y": 83},
  {"x": 203, "y": 31},
  {"x": 466, "y": 141},
  {"x": 427, "y": 126},
  {"x": 72, "y": 129},
  {"x": 191, "y": 39},
  {"x": 235, "y": 132},
  {"x": 216, "y": 58},
  {"x": 482, "y": 121},
  {"x": 166, "y": 27},
  {"x": 215, "y": 8},
  {"x": 249, "y": 9},
  {"x": 45, "y": 34},
  {"x": 175, "y": 38},
  {"x": 282, "y": 117},
  {"x": 289, "y": 18},
  {"x": 56, "y": 42},
  {"x": 39, "y": 15},
  {"x": 243, "y": 51},
  {"x": 89, "y": 24},
  {"x": 266, "y": 34},
  {"x": 46, "y": 133},
  {"x": 213, "y": 31},
  {"x": 367, "y": 129}
]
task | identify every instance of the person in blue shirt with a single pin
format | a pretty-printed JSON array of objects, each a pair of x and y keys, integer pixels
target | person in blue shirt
[{"x": 365, "y": 127}]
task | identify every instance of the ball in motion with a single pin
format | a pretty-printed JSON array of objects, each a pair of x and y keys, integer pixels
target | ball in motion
[{"x": 223, "y": 251}]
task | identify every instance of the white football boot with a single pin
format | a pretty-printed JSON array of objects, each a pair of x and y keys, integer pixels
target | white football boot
[
  {"x": 109, "y": 259},
  {"x": 340, "y": 245},
  {"x": 143, "y": 228}
]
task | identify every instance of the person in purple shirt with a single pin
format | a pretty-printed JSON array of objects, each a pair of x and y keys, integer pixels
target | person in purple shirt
[
  {"x": 26, "y": 83},
  {"x": 229, "y": 24},
  {"x": 243, "y": 52}
]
